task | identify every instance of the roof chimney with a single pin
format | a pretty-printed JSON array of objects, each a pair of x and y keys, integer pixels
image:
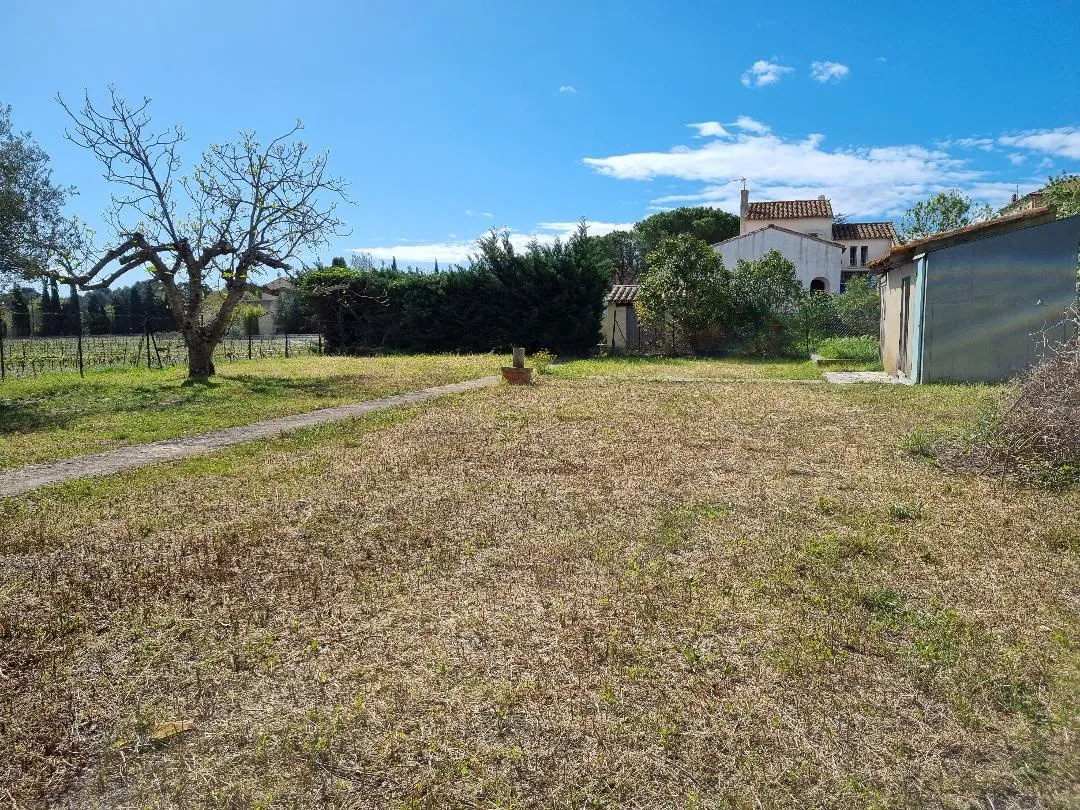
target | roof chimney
[{"x": 744, "y": 204}]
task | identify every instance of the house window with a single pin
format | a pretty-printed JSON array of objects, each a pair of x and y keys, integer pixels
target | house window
[
  {"x": 851, "y": 254},
  {"x": 815, "y": 234},
  {"x": 862, "y": 255}
]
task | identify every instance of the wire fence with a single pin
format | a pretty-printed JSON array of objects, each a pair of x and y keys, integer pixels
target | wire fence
[
  {"x": 798, "y": 332},
  {"x": 74, "y": 349}
]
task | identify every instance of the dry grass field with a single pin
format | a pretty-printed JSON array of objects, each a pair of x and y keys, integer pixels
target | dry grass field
[{"x": 578, "y": 594}]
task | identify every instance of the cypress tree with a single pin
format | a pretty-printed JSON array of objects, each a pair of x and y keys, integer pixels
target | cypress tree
[
  {"x": 56, "y": 317},
  {"x": 72, "y": 311},
  {"x": 20, "y": 314}
]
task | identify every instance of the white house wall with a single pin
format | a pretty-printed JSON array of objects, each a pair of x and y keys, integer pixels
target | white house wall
[
  {"x": 812, "y": 259},
  {"x": 822, "y": 226},
  {"x": 876, "y": 248}
]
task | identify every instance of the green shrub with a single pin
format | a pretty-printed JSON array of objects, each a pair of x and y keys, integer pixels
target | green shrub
[
  {"x": 549, "y": 296},
  {"x": 864, "y": 347}
]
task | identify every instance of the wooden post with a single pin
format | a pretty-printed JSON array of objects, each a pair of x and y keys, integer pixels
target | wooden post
[
  {"x": 148, "y": 343},
  {"x": 519, "y": 357},
  {"x": 3, "y": 329}
]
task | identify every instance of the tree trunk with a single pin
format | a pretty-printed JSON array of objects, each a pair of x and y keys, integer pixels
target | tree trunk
[{"x": 200, "y": 356}]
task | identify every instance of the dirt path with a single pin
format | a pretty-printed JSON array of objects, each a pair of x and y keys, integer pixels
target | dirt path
[{"x": 24, "y": 479}]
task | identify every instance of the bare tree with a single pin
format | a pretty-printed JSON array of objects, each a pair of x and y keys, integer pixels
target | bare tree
[{"x": 244, "y": 209}]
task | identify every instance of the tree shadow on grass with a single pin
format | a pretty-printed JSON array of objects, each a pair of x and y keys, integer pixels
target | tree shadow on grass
[{"x": 286, "y": 387}]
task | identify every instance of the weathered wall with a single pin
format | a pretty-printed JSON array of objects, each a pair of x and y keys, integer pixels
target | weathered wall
[
  {"x": 891, "y": 289},
  {"x": 822, "y": 226},
  {"x": 988, "y": 300},
  {"x": 620, "y": 327},
  {"x": 812, "y": 259}
]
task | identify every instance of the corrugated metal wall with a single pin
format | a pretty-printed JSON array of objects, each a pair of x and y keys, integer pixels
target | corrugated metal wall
[{"x": 989, "y": 301}]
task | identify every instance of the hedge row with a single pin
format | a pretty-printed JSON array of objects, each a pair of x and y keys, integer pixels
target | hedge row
[{"x": 547, "y": 297}]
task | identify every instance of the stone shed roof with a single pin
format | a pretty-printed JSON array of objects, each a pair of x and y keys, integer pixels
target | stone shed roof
[{"x": 622, "y": 294}]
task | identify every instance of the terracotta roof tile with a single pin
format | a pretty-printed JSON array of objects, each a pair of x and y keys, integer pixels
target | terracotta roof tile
[
  {"x": 789, "y": 209},
  {"x": 622, "y": 294},
  {"x": 864, "y": 230}
]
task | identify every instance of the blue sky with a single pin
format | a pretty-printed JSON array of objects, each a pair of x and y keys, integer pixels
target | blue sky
[{"x": 451, "y": 118}]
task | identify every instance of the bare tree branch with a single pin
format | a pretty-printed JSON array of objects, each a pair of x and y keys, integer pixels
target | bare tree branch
[{"x": 244, "y": 209}]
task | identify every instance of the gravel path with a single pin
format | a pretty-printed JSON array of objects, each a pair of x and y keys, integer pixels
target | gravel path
[{"x": 24, "y": 479}]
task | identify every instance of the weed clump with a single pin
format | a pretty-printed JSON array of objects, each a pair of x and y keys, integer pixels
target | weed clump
[{"x": 1035, "y": 435}]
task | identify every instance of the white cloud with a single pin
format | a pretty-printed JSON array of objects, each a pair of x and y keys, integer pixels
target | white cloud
[
  {"x": 459, "y": 250},
  {"x": 861, "y": 180},
  {"x": 568, "y": 88},
  {"x": 747, "y": 123},
  {"x": 880, "y": 59},
  {"x": 985, "y": 144},
  {"x": 764, "y": 72},
  {"x": 1016, "y": 159},
  {"x": 1061, "y": 142},
  {"x": 709, "y": 129},
  {"x": 828, "y": 71},
  {"x": 471, "y": 213}
]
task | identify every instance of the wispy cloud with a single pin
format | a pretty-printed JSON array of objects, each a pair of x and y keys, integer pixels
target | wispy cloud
[
  {"x": 471, "y": 213},
  {"x": 828, "y": 71},
  {"x": 747, "y": 123},
  {"x": 861, "y": 180},
  {"x": 1016, "y": 159},
  {"x": 709, "y": 129},
  {"x": 1060, "y": 142},
  {"x": 985, "y": 144},
  {"x": 568, "y": 88},
  {"x": 764, "y": 72},
  {"x": 459, "y": 250}
]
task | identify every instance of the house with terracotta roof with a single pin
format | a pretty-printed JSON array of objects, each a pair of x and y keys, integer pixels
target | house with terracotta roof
[
  {"x": 980, "y": 303},
  {"x": 852, "y": 245}
]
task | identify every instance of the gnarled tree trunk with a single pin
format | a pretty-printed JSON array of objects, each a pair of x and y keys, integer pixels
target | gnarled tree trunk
[{"x": 200, "y": 355}]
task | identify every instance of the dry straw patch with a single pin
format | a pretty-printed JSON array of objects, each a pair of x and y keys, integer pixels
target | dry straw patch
[{"x": 569, "y": 595}]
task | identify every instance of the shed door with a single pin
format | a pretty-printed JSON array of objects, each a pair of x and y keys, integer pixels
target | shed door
[{"x": 905, "y": 325}]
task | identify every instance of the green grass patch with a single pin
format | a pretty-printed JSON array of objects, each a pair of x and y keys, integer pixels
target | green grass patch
[
  {"x": 59, "y": 416},
  {"x": 864, "y": 348}
]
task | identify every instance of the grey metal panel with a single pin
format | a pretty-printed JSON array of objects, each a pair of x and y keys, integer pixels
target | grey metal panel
[{"x": 989, "y": 301}]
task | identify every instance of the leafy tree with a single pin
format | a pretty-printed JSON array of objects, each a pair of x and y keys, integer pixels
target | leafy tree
[
  {"x": 710, "y": 225},
  {"x": 767, "y": 296},
  {"x": 361, "y": 261},
  {"x": 627, "y": 250},
  {"x": 338, "y": 261},
  {"x": 72, "y": 311},
  {"x": 245, "y": 208},
  {"x": 20, "y": 313},
  {"x": 97, "y": 316},
  {"x": 623, "y": 250},
  {"x": 1064, "y": 194},
  {"x": 685, "y": 286},
  {"x": 31, "y": 221},
  {"x": 942, "y": 212},
  {"x": 136, "y": 311}
]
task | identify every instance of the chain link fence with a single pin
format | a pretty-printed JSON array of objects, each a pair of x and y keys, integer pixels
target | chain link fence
[{"x": 62, "y": 344}]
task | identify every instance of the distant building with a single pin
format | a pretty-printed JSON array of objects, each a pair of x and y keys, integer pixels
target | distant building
[
  {"x": 979, "y": 303},
  {"x": 1036, "y": 199},
  {"x": 817, "y": 261},
  {"x": 620, "y": 324},
  {"x": 269, "y": 295},
  {"x": 857, "y": 243}
]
